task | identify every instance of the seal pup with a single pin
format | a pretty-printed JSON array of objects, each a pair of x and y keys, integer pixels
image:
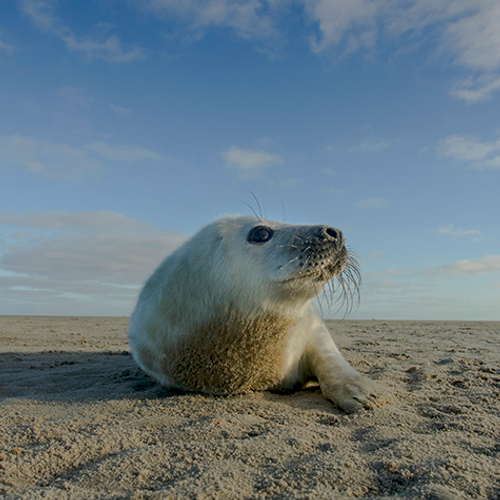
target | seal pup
[{"x": 230, "y": 311}]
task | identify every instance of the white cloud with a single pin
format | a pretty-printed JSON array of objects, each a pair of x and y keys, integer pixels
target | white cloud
[
  {"x": 61, "y": 161},
  {"x": 250, "y": 163},
  {"x": 46, "y": 158},
  {"x": 108, "y": 48},
  {"x": 477, "y": 89},
  {"x": 475, "y": 39},
  {"x": 371, "y": 146},
  {"x": 337, "y": 20},
  {"x": 8, "y": 48},
  {"x": 80, "y": 260},
  {"x": 468, "y": 30},
  {"x": 329, "y": 171},
  {"x": 122, "y": 152},
  {"x": 121, "y": 111},
  {"x": 119, "y": 258},
  {"x": 332, "y": 190},
  {"x": 483, "y": 266},
  {"x": 372, "y": 203},
  {"x": 80, "y": 221},
  {"x": 289, "y": 182},
  {"x": 469, "y": 149},
  {"x": 248, "y": 18},
  {"x": 451, "y": 230},
  {"x": 75, "y": 96}
]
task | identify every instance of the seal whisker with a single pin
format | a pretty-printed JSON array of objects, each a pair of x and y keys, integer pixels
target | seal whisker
[{"x": 289, "y": 262}]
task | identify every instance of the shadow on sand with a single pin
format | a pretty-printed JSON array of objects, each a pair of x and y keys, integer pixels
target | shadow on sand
[{"x": 74, "y": 376}]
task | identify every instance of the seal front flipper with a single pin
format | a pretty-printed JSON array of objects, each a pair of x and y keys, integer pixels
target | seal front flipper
[{"x": 338, "y": 380}]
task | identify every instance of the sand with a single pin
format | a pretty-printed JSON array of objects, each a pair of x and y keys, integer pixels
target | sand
[{"x": 79, "y": 420}]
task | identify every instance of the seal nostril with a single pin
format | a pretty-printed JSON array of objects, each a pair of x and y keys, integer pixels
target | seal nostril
[{"x": 331, "y": 232}]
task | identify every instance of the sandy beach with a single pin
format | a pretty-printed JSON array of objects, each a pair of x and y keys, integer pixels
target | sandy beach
[{"x": 79, "y": 420}]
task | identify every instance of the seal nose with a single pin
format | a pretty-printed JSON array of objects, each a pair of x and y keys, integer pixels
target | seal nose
[{"x": 328, "y": 233}]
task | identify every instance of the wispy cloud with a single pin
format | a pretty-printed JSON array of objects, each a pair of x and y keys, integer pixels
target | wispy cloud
[
  {"x": 465, "y": 31},
  {"x": 62, "y": 161},
  {"x": 8, "y": 48},
  {"x": 378, "y": 203},
  {"x": 482, "y": 266},
  {"x": 476, "y": 89},
  {"x": 122, "y": 152},
  {"x": 76, "y": 221},
  {"x": 475, "y": 37},
  {"x": 451, "y": 230},
  {"x": 353, "y": 23},
  {"x": 250, "y": 163},
  {"x": 75, "y": 96},
  {"x": 108, "y": 48},
  {"x": 470, "y": 150},
  {"x": 120, "y": 110},
  {"x": 371, "y": 146},
  {"x": 247, "y": 18},
  {"x": 50, "y": 159}
]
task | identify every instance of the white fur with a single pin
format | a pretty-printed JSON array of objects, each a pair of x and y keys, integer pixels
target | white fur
[{"x": 219, "y": 270}]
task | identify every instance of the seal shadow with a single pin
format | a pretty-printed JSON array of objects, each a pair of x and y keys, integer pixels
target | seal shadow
[{"x": 76, "y": 376}]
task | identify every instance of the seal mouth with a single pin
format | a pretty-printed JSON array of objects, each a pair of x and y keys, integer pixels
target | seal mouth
[
  {"x": 341, "y": 277},
  {"x": 324, "y": 270}
]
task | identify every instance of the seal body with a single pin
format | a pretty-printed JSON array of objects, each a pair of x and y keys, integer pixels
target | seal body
[{"x": 230, "y": 311}]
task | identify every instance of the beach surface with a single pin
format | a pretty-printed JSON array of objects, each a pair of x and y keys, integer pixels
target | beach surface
[{"x": 80, "y": 420}]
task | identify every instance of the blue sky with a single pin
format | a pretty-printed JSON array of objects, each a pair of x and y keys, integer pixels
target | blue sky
[{"x": 126, "y": 125}]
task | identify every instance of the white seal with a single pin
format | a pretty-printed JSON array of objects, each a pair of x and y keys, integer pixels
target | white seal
[{"x": 230, "y": 311}]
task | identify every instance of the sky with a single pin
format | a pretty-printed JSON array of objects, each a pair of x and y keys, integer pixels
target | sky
[{"x": 126, "y": 125}]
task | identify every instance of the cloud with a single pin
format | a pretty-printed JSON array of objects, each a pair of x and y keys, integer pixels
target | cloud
[
  {"x": 8, "y": 48},
  {"x": 452, "y": 231},
  {"x": 80, "y": 260},
  {"x": 79, "y": 221},
  {"x": 121, "y": 111},
  {"x": 353, "y": 22},
  {"x": 372, "y": 203},
  {"x": 108, "y": 48},
  {"x": 475, "y": 38},
  {"x": 75, "y": 96},
  {"x": 119, "y": 258},
  {"x": 247, "y": 18},
  {"x": 53, "y": 160},
  {"x": 289, "y": 182},
  {"x": 484, "y": 266},
  {"x": 469, "y": 149},
  {"x": 477, "y": 89},
  {"x": 329, "y": 171},
  {"x": 467, "y": 30},
  {"x": 122, "y": 152},
  {"x": 64, "y": 162},
  {"x": 371, "y": 146},
  {"x": 332, "y": 190},
  {"x": 250, "y": 163}
]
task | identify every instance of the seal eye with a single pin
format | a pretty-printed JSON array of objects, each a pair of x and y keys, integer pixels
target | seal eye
[{"x": 260, "y": 234}]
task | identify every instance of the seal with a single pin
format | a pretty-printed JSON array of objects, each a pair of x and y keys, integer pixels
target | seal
[{"x": 230, "y": 311}]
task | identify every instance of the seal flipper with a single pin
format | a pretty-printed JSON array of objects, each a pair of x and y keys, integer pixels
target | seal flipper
[{"x": 338, "y": 380}]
